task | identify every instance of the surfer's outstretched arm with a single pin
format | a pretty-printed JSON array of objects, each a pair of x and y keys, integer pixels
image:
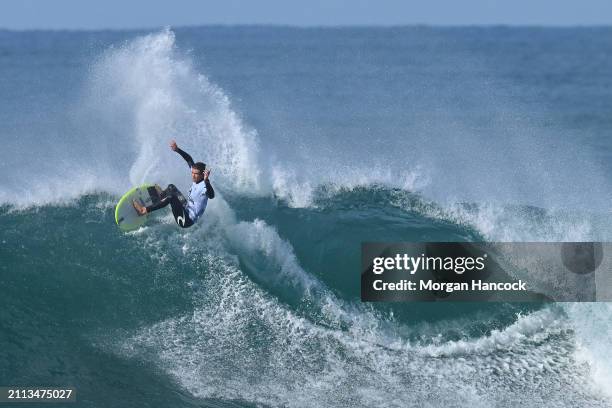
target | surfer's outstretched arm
[{"x": 183, "y": 154}]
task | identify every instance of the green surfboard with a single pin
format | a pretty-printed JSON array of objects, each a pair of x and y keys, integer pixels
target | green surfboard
[{"x": 126, "y": 216}]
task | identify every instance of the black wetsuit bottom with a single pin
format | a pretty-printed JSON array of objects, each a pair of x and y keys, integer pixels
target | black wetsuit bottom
[{"x": 171, "y": 195}]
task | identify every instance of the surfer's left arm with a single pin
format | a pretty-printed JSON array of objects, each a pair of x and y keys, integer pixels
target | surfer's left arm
[{"x": 210, "y": 193}]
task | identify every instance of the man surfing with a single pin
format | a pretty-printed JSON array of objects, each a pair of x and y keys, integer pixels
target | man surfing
[{"x": 186, "y": 211}]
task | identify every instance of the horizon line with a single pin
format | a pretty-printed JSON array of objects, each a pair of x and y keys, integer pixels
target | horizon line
[{"x": 304, "y": 26}]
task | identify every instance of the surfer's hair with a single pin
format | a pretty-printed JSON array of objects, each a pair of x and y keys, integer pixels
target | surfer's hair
[{"x": 199, "y": 166}]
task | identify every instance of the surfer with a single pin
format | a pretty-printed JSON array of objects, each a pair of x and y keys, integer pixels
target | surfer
[{"x": 186, "y": 211}]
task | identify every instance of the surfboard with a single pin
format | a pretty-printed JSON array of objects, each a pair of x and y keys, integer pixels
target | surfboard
[{"x": 126, "y": 216}]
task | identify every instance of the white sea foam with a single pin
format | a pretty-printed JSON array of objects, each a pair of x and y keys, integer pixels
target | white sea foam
[
  {"x": 532, "y": 328},
  {"x": 592, "y": 324},
  {"x": 240, "y": 343}
]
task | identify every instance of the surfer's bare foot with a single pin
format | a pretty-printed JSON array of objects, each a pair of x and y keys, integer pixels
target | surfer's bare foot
[{"x": 139, "y": 208}]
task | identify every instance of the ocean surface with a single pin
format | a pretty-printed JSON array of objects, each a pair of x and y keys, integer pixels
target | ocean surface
[{"x": 318, "y": 139}]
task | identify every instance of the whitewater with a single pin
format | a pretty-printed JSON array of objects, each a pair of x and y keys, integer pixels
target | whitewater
[{"x": 318, "y": 140}]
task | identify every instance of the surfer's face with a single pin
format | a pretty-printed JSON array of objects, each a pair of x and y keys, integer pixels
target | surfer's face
[{"x": 196, "y": 175}]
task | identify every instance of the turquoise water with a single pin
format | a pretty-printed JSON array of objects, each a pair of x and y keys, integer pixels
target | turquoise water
[{"x": 319, "y": 139}]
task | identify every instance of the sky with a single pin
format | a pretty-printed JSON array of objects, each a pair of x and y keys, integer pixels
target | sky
[{"x": 118, "y": 14}]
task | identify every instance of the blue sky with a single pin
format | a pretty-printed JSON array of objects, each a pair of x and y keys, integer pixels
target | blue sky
[{"x": 88, "y": 14}]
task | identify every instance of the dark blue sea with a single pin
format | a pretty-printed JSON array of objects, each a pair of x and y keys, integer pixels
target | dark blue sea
[{"x": 318, "y": 139}]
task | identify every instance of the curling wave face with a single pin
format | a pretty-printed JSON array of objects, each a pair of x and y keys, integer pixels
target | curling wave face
[{"x": 239, "y": 310}]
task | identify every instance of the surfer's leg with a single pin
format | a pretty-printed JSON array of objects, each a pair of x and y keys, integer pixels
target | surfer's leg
[
  {"x": 171, "y": 190},
  {"x": 177, "y": 200},
  {"x": 171, "y": 195},
  {"x": 165, "y": 197},
  {"x": 160, "y": 204},
  {"x": 180, "y": 214}
]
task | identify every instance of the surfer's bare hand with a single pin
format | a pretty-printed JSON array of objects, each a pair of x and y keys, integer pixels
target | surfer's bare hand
[
  {"x": 173, "y": 145},
  {"x": 206, "y": 174}
]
